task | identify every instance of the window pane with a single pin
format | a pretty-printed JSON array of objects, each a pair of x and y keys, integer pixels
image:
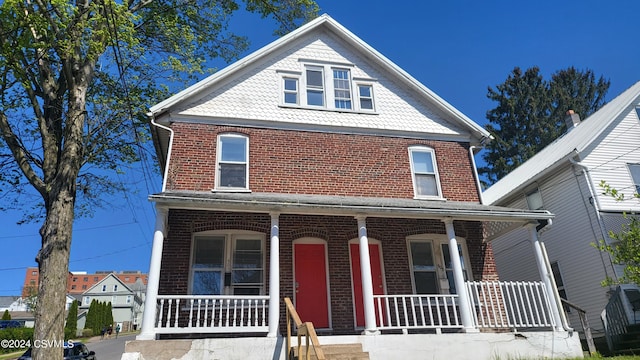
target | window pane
[
  {"x": 426, "y": 185},
  {"x": 315, "y": 98},
  {"x": 246, "y": 291},
  {"x": 291, "y": 98},
  {"x": 247, "y": 276},
  {"x": 421, "y": 255},
  {"x": 422, "y": 162},
  {"x": 207, "y": 283},
  {"x": 426, "y": 282},
  {"x": 534, "y": 200},
  {"x": 291, "y": 84},
  {"x": 209, "y": 253},
  {"x": 366, "y": 104},
  {"x": 314, "y": 78},
  {"x": 365, "y": 91},
  {"x": 248, "y": 254},
  {"x": 233, "y": 175},
  {"x": 634, "y": 169},
  {"x": 233, "y": 148}
]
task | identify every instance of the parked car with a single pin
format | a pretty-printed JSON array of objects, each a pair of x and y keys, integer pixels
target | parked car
[
  {"x": 77, "y": 351},
  {"x": 4, "y": 324}
]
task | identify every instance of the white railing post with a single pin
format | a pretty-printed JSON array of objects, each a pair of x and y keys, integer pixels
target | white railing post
[
  {"x": 367, "y": 282},
  {"x": 545, "y": 276},
  {"x": 458, "y": 276},
  {"x": 274, "y": 276},
  {"x": 153, "y": 282}
]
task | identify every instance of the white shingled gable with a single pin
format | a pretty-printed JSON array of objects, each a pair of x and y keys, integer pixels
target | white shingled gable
[{"x": 249, "y": 91}]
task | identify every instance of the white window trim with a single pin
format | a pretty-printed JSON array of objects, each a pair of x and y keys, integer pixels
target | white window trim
[
  {"x": 230, "y": 237},
  {"x": 424, "y": 148},
  {"x": 328, "y": 87},
  {"x": 436, "y": 241},
  {"x": 634, "y": 186},
  {"x": 358, "y": 97},
  {"x": 284, "y": 91},
  {"x": 218, "y": 188}
]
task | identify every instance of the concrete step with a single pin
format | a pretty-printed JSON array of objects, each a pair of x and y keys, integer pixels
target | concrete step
[{"x": 336, "y": 352}]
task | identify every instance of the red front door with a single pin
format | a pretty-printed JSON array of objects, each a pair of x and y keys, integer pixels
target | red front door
[
  {"x": 311, "y": 284},
  {"x": 376, "y": 277}
]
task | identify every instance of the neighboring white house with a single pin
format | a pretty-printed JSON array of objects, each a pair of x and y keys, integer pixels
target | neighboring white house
[
  {"x": 126, "y": 303},
  {"x": 564, "y": 179}
]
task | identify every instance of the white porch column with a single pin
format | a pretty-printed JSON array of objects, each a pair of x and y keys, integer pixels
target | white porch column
[
  {"x": 274, "y": 276},
  {"x": 153, "y": 281},
  {"x": 545, "y": 276},
  {"x": 458, "y": 277},
  {"x": 367, "y": 282}
]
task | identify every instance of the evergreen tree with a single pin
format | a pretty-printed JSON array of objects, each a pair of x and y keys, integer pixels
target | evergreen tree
[
  {"x": 531, "y": 111},
  {"x": 90, "y": 322},
  {"x": 72, "y": 318},
  {"x": 109, "y": 315},
  {"x": 6, "y": 315}
]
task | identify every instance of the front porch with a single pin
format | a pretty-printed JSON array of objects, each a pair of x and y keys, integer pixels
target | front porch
[{"x": 372, "y": 270}]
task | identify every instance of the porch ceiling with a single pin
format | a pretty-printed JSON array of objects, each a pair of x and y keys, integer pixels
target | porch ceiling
[{"x": 498, "y": 219}]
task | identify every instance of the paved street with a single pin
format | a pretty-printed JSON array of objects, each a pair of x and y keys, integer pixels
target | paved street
[{"x": 111, "y": 348}]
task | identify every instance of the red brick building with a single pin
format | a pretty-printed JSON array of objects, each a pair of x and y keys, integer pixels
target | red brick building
[
  {"x": 79, "y": 282},
  {"x": 316, "y": 169}
]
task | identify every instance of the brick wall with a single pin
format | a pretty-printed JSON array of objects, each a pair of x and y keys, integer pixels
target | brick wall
[
  {"x": 301, "y": 162},
  {"x": 337, "y": 231}
]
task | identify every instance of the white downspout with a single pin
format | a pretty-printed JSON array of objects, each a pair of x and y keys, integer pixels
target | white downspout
[
  {"x": 596, "y": 205},
  {"x": 475, "y": 172},
  {"x": 166, "y": 166}
]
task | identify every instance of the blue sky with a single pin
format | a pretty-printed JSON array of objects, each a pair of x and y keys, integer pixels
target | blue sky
[{"x": 455, "y": 48}]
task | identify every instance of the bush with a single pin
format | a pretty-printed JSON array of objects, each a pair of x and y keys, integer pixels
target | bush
[
  {"x": 23, "y": 334},
  {"x": 87, "y": 333}
]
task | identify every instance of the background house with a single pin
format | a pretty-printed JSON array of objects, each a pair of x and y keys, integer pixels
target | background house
[
  {"x": 80, "y": 281},
  {"x": 127, "y": 301},
  {"x": 564, "y": 178}
]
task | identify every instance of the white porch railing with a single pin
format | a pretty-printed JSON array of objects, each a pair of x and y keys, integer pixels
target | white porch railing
[
  {"x": 508, "y": 304},
  {"x": 177, "y": 314},
  {"x": 416, "y": 312}
]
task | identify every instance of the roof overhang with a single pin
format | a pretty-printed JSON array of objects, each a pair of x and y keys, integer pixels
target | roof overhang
[{"x": 500, "y": 217}]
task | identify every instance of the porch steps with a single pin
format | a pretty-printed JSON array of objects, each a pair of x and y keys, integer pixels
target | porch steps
[{"x": 336, "y": 352}]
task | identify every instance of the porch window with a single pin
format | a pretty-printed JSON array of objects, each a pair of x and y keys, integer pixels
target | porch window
[
  {"x": 425, "y": 172},
  {"x": 557, "y": 277},
  {"x": 233, "y": 162},
  {"x": 424, "y": 269},
  {"x": 431, "y": 264},
  {"x": 227, "y": 264}
]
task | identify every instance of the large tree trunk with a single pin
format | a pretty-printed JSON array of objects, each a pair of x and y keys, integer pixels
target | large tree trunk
[{"x": 53, "y": 264}]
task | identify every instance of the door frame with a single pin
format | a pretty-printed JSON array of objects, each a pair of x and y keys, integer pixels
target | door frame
[
  {"x": 371, "y": 241},
  {"x": 313, "y": 240}
]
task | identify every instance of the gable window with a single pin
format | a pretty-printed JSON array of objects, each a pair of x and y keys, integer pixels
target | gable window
[
  {"x": 233, "y": 162},
  {"x": 534, "y": 200},
  {"x": 87, "y": 300},
  {"x": 634, "y": 170},
  {"x": 290, "y": 90},
  {"x": 315, "y": 86},
  {"x": 425, "y": 173},
  {"x": 104, "y": 288},
  {"x": 115, "y": 287},
  {"x": 227, "y": 264},
  {"x": 365, "y": 94},
  {"x": 342, "y": 88}
]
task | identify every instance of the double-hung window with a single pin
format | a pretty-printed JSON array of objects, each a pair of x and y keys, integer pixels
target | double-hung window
[
  {"x": 426, "y": 183},
  {"x": 534, "y": 200},
  {"x": 227, "y": 264},
  {"x": 232, "y": 162},
  {"x": 342, "y": 88},
  {"x": 315, "y": 86},
  {"x": 290, "y": 87},
  {"x": 431, "y": 265},
  {"x": 365, "y": 94}
]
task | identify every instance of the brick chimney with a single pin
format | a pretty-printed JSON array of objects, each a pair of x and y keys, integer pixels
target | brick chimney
[{"x": 572, "y": 119}]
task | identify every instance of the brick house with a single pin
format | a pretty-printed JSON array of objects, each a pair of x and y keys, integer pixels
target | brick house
[{"x": 316, "y": 169}]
